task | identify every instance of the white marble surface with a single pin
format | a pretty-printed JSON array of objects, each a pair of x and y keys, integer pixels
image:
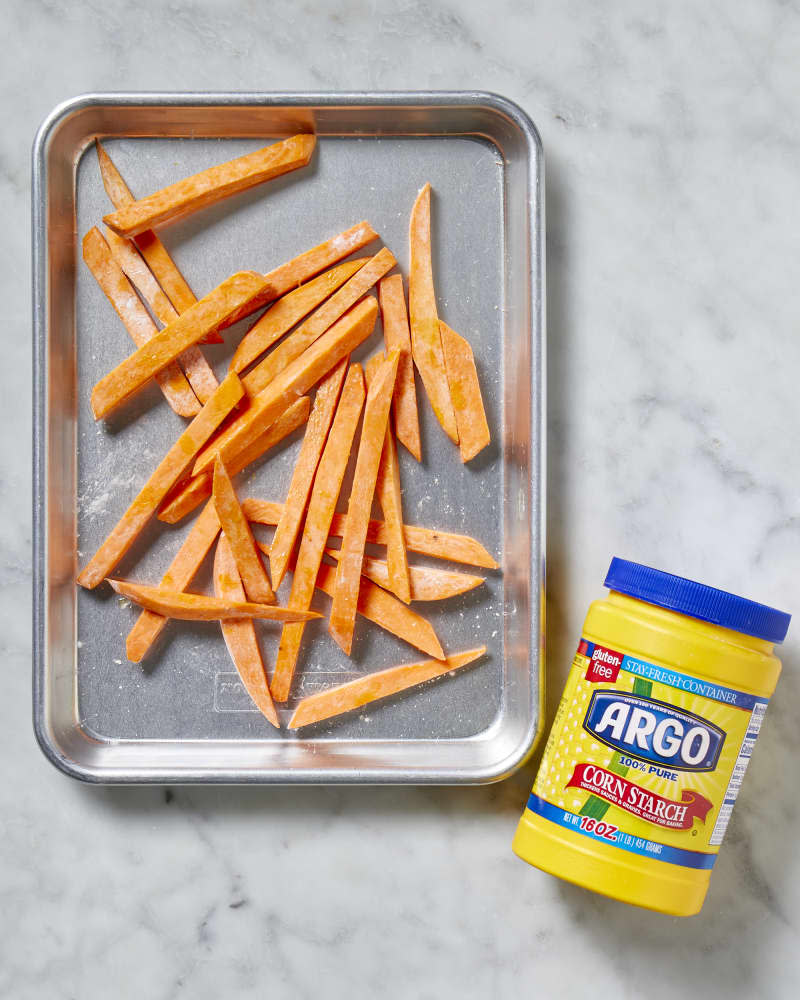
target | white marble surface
[{"x": 672, "y": 145}]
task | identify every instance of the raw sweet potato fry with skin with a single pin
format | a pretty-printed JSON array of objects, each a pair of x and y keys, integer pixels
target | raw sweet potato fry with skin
[
  {"x": 465, "y": 390},
  {"x": 299, "y": 269},
  {"x": 199, "y": 608},
  {"x": 198, "y": 371},
  {"x": 426, "y": 340},
  {"x": 234, "y": 298},
  {"x": 318, "y": 323},
  {"x": 396, "y": 334},
  {"x": 189, "y": 495},
  {"x": 137, "y": 321},
  {"x": 180, "y": 573},
  {"x": 303, "y": 373},
  {"x": 288, "y": 311},
  {"x": 365, "y": 690},
  {"x": 426, "y": 541},
  {"x": 427, "y": 582},
  {"x": 167, "y": 473},
  {"x": 294, "y": 508},
  {"x": 211, "y": 185},
  {"x": 150, "y": 246},
  {"x": 389, "y": 494},
  {"x": 236, "y": 529},
  {"x": 373, "y": 432},
  {"x": 240, "y": 637},
  {"x": 321, "y": 507}
]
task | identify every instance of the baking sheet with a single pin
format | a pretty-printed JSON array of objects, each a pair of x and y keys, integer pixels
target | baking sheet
[{"x": 184, "y": 716}]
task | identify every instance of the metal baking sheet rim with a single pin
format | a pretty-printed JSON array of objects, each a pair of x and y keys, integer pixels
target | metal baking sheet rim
[{"x": 185, "y": 773}]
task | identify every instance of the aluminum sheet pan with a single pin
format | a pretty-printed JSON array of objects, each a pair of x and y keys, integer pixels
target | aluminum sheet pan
[{"x": 184, "y": 717}]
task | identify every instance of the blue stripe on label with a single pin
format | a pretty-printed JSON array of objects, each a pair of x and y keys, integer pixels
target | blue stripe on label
[
  {"x": 625, "y": 841},
  {"x": 685, "y": 682}
]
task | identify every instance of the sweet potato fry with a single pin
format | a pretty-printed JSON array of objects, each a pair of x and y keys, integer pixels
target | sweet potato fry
[
  {"x": 180, "y": 573},
  {"x": 384, "y": 609},
  {"x": 234, "y": 298},
  {"x": 396, "y": 334},
  {"x": 323, "y": 319},
  {"x": 199, "y": 608},
  {"x": 303, "y": 373},
  {"x": 426, "y": 340},
  {"x": 373, "y": 432},
  {"x": 117, "y": 190},
  {"x": 189, "y": 495},
  {"x": 294, "y": 509},
  {"x": 167, "y": 473},
  {"x": 426, "y": 541},
  {"x": 198, "y": 371},
  {"x": 212, "y": 185},
  {"x": 374, "y": 687},
  {"x": 288, "y": 310},
  {"x": 427, "y": 582},
  {"x": 389, "y": 494},
  {"x": 141, "y": 277},
  {"x": 137, "y": 321},
  {"x": 294, "y": 272},
  {"x": 150, "y": 246},
  {"x": 240, "y": 637},
  {"x": 321, "y": 506},
  {"x": 236, "y": 528},
  {"x": 465, "y": 390}
]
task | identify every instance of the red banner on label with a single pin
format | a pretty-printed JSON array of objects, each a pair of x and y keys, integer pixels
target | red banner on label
[
  {"x": 675, "y": 815},
  {"x": 603, "y": 666}
]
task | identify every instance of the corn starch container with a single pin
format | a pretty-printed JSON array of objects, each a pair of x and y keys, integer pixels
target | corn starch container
[{"x": 655, "y": 729}]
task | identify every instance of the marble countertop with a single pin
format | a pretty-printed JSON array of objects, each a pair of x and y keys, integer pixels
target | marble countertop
[{"x": 671, "y": 139}]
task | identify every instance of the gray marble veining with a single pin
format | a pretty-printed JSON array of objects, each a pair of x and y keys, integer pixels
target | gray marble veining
[{"x": 671, "y": 138}]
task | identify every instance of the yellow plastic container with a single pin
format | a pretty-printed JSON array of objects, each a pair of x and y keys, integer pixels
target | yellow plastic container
[{"x": 650, "y": 743}]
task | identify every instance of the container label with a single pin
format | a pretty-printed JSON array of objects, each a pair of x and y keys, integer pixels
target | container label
[{"x": 645, "y": 758}]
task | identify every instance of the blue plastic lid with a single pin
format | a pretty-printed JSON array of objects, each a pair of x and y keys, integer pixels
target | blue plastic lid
[{"x": 695, "y": 599}]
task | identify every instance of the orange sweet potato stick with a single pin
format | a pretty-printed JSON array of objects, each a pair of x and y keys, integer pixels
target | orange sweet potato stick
[
  {"x": 327, "y": 314},
  {"x": 288, "y": 310},
  {"x": 189, "y": 495},
  {"x": 295, "y": 380},
  {"x": 374, "y": 687},
  {"x": 294, "y": 272},
  {"x": 137, "y": 321},
  {"x": 235, "y": 297},
  {"x": 193, "y": 361},
  {"x": 389, "y": 494},
  {"x": 166, "y": 474},
  {"x": 180, "y": 573},
  {"x": 465, "y": 389},
  {"x": 150, "y": 246},
  {"x": 321, "y": 506},
  {"x": 425, "y": 337},
  {"x": 294, "y": 509},
  {"x": 427, "y": 582},
  {"x": 396, "y": 334},
  {"x": 236, "y": 528},
  {"x": 141, "y": 277},
  {"x": 212, "y": 185},
  {"x": 382, "y": 608},
  {"x": 373, "y": 432},
  {"x": 240, "y": 637},
  {"x": 199, "y": 608},
  {"x": 426, "y": 541}
]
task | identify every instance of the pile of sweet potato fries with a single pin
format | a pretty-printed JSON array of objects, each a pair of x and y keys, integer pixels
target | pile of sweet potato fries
[{"x": 320, "y": 311}]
